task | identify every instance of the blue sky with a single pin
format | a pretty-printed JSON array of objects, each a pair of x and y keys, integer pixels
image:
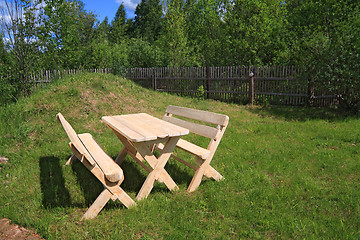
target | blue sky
[{"x": 108, "y": 8}]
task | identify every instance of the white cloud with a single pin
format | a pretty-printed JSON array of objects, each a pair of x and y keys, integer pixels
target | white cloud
[{"x": 129, "y": 4}]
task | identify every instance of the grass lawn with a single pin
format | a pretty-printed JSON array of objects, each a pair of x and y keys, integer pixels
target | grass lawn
[{"x": 290, "y": 172}]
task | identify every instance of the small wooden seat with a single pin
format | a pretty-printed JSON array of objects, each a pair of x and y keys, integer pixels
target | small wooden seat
[
  {"x": 203, "y": 156},
  {"x": 88, "y": 151}
]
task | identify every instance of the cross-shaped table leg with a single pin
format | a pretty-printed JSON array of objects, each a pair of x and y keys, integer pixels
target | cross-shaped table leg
[{"x": 158, "y": 164}]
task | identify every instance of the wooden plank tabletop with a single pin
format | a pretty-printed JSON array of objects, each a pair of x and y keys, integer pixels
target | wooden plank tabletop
[{"x": 142, "y": 127}]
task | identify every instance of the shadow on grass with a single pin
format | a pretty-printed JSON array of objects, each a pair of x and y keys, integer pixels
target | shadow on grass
[
  {"x": 55, "y": 194},
  {"x": 179, "y": 175},
  {"x": 133, "y": 177},
  {"x": 52, "y": 183},
  {"x": 298, "y": 113},
  {"x": 90, "y": 186}
]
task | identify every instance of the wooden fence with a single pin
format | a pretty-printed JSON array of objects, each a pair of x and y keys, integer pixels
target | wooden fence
[
  {"x": 47, "y": 76},
  {"x": 239, "y": 84},
  {"x": 278, "y": 85}
]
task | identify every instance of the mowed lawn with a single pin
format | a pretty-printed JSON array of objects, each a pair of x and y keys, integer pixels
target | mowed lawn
[{"x": 290, "y": 172}]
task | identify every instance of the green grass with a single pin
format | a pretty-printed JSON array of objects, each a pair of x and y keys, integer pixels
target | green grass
[{"x": 289, "y": 172}]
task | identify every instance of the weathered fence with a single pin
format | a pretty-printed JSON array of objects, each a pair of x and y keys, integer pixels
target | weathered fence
[
  {"x": 239, "y": 84},
  {"x": 47, "y": 76}
]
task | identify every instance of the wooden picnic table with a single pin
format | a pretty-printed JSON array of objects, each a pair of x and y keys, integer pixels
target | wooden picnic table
[{"x": 138, "y": 133}]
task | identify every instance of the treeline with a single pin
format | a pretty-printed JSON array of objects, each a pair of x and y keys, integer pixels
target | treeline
[{"x": 320, "y": 36}]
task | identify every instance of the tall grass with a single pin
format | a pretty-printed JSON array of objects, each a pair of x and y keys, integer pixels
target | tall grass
[{"x": 289, "y": 172}]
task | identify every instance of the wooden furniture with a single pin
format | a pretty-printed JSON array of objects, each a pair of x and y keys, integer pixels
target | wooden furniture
[
  {"x": 88, "y": 151},
  {"x": 138, "y": 133},
  {"x": 203, "y": 156}
]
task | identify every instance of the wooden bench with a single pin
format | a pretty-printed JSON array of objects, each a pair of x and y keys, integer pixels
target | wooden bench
[
  {"x": 88, "y": 151},
  {"x": 202, "y": 156}
]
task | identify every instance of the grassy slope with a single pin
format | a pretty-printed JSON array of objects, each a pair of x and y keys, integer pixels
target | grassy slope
[{"x": 289, "y": 172}]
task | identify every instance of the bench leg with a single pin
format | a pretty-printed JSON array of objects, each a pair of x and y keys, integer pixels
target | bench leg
[
  {"x": 196, "y": 180},
  {"x": 210, "y": 172},
  {"x": 124, "y": 198},
  {"x": 99, "y": 203}
]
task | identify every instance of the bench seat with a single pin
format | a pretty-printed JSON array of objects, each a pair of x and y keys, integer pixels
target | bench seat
[
  {"x": 111, "y": 170},
  {"x": 190, "y": 148}
]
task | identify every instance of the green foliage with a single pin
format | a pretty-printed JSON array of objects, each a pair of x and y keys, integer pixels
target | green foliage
[
  {"x": 101, "y": 54},
  {"x": 118, "y": 25},
  {"x": 207, "y": 31},
  {"x": 201, "y": 92},
  {"x": 7, "y": 90},
  {"x": 257, "y": 32},
  {"x": 68, "y": 31},
  {"x": 142, "y": 54},
  {"x": 120, "y": 55},
  {"x": 174, "y": 37},
  {"x": 330, "y": 51},
  {"x": 321, "y": 36},
  {"x": 21, "y": 57},
  {"x": 148, "y": 20},
  {"x": 103, "y": 29}
]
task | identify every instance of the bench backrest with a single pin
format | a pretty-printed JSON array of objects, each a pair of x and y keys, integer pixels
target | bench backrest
[
  {"x": 74, "y": 139},
  {"x": 88, "y": 148},
  {"x": 221, "y": 121}
]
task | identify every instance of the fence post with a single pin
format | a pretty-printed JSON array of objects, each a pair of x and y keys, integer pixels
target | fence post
[
  {"x": 207, "y": 81},
  {"x": 310, "y": 92},
  {"x": 251, "y": 88},
  {"x": 154, "y": 79}
]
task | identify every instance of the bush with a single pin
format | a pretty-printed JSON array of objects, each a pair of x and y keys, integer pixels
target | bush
[
  {"x": 120, "y": 59},
  {"x": 7, "y": 90},
  {"x": 142, "y": 54},
  {"x": 332, "y": 61}
]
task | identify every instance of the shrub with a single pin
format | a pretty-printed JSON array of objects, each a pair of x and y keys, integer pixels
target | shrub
[
  {"x": 332, "y": 61},
  {"x": 142, "y": 54}
]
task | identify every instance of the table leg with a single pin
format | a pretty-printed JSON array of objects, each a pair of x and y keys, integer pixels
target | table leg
[
  {"x": 120, "y": 158},
  {"x": 158, "y": 171}
]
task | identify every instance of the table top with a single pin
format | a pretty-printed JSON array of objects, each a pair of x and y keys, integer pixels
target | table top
[{"x": 142, "y": 127}]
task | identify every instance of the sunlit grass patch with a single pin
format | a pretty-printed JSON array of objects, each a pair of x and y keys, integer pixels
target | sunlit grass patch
[{"x": 289, "y": 172}]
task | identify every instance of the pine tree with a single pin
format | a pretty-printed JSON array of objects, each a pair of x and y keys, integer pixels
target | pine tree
[
  {"x": 148, "y": 20},
  {"x": 118, "y": 25}
]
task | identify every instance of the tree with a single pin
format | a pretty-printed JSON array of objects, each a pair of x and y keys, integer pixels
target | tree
[
  {"x": 142, "y": 54},
  {"x": 103, "y": 29},
  {"x": 7, "y": 90},
  {"x": 4, "y": 56},
  {"x": 325, "y": 43},
  {"x": 148, "y": 20},
  {"x": 118, "y": 27},
  {"x": 257, "y": 32},
  {"x": 19, "y": 24},
  {"x": 174, "y": 36},
  {"x": 206, "y": 30},
  {"x": 68, "y": 30}
]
